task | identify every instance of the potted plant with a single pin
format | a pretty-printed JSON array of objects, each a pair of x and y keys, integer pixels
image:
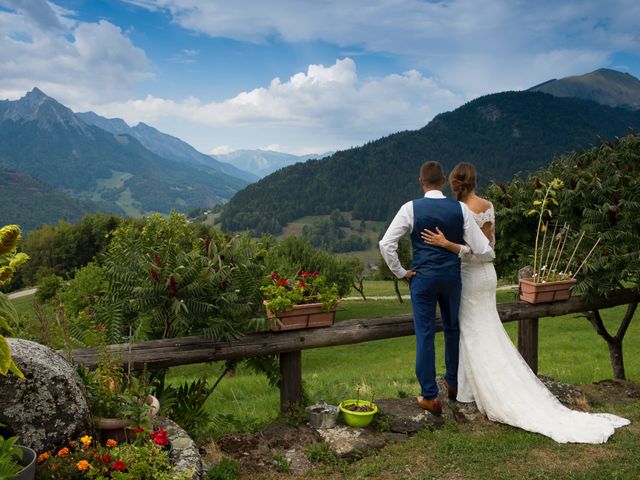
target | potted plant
[
  {"x": 358, "y": 413},
  {"x": 119, "y": 401},
  {"x": 17, "y": 462},
  {"x": 304, "y": 301},
  {"x": 551, "y": 276}
]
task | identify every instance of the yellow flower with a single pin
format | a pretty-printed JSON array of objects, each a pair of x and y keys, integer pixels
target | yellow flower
[
  {"x": 86, "y": 440},
  {"x": 63, "y": 451},
  {"x": 43, "y": 456},
  {"x": 83, "y": 465},
  {"x": 9, "y": 236},
  {"x": 111, "y": 443}
]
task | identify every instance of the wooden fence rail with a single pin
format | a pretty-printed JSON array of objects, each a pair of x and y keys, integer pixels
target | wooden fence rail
[{"x": 289, "y": 344}]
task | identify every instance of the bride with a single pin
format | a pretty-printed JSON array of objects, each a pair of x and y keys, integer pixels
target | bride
[{"x": 491, "y": 370}]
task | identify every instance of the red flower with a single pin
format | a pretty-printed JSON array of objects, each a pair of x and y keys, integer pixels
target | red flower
[
  {"x": 160, "y": 437},
  {"x": 119, "y": 466},
  {"x": 138, "y": 430},
  {"x": 302, "y": 284},
  {"x": 315, "y": 274},
  {"x": 281, "y": 283},
  {"x": 275, "y": 275},
  {"x": 106, "y": 458},
  {"x": 305, "y": 274}
]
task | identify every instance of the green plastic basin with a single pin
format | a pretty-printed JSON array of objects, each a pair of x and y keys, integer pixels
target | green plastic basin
[{"x": 357, "y": 419}]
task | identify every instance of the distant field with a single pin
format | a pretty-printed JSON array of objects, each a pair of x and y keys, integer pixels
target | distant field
[{"x": 373, "y": 231}]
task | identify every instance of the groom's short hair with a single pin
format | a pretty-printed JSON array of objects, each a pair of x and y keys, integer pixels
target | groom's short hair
[{"x": 431, "y": 173}]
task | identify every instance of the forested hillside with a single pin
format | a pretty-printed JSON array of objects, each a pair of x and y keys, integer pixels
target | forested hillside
[
  {"x": 31, "y": 203},
  {"x": 502, "y": 134}
]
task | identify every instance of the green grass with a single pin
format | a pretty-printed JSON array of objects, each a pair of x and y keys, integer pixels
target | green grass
[
  {"x": 498, "y": 452},
  {"x": 569, "y": 351}
]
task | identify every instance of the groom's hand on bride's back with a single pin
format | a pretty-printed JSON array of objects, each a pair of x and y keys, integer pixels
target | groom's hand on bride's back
[{"x": 409, "y": 275}]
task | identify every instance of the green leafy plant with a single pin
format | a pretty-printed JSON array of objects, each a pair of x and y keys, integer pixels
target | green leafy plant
[
  {"x": 114, "y": 393},
  {"x": 283, "y": 293},
  {"x": 225, "y": 469},
  {"x": 10, "y": 456},
  {"x": 10, "y": 261},
  {"x": 281, "y": 463}
]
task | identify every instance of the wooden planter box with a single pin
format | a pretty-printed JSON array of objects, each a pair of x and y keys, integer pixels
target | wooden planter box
[
  {"x": 301, "y": 316},
  {"x": 545, "y": 292}
]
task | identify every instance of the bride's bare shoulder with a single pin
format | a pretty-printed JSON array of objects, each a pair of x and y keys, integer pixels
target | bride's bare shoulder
[{"x": 479, "y": 204}]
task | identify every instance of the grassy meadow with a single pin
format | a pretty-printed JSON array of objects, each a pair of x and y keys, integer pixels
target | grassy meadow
[{"x": 570, "y": 351}]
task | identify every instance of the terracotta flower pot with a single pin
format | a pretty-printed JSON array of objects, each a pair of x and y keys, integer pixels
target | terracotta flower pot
[
  {"x": 309, "y": 315},
  {"x": 545, "y": 292},
  {"x": 116, "y": 428}
]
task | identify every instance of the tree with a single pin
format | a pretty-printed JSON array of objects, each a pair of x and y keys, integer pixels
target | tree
[
  {"x": 356, "y": 266},
  {"x": 601, "y": 199}
]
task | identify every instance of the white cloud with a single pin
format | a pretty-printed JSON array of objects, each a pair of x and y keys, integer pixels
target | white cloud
[
  {"x": 78, "y": 63},
  {"x": 221, "y": 150},
  {"x": 326, "y": 100},
  {"x": 503, "y": 41}
]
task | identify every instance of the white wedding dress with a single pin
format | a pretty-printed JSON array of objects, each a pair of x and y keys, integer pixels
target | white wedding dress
[{"x": 492, "y": 373}]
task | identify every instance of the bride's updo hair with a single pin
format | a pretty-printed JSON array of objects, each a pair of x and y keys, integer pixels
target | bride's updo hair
[{"x": 463, "y": 179}]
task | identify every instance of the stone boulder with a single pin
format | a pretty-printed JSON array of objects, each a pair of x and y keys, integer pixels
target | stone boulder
[{"x": 49, "y": 408}]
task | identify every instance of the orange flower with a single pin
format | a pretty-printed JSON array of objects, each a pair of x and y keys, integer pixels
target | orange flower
[
  {"x": 73, "y": 443},
  {"x": 111, "y": 443},
  {"x": 43, "y": 456},
  {"x": 63, "y": 451},
  {"x": 83, "y": 465},
  {"x": 86, "y": 440}
]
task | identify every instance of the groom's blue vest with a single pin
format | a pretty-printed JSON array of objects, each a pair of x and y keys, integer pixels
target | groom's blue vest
[{"x": 445, "y": 214}]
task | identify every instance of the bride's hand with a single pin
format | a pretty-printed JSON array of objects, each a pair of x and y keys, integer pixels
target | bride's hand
[{"x": 434, "y": 238}]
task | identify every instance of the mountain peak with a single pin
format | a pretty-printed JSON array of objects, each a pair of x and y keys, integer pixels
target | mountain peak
[
  {"x": 605, "y": 86},
  {"x": 36, "y": 106}
]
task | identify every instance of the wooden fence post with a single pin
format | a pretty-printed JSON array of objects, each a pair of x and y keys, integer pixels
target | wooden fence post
[
  {"x": 528, "y": 342},
  {"x": 290, "y": 380}
]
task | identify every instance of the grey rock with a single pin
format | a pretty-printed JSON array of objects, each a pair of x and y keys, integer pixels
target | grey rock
[
  {"x": 184, "y": 454},
  {"x": 405, "y": 415},
  {"x": 345, "y": 441},
  {"x": 49, "y": 408},
  {"x": 298, "y": 461}
]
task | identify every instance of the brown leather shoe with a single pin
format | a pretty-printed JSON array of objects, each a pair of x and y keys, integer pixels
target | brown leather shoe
[
  {"x": 452, "y": 392},
  {"x": 434, "y": 406}
]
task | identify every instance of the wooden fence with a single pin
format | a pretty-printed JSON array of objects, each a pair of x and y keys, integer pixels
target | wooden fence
[{"x": 289, "y": 344}]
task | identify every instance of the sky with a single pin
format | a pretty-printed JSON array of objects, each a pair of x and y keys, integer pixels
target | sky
[{"x": 300, "y": 76}]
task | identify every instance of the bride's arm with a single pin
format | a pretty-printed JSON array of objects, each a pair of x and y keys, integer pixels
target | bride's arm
[{"x": 439, "y": 240}]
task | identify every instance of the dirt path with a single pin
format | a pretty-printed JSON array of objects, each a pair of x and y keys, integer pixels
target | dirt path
[{"x": 22, "y": 293}]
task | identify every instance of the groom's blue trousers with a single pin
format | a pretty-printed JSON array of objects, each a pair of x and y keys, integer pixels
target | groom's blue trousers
[{"x": 426, "y": 292}]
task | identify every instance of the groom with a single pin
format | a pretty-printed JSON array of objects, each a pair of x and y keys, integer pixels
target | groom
[{"x": 434, "y": 277}]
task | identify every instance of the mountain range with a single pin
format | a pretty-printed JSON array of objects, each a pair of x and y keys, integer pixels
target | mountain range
[
  {"x": 604, "y": 86},
  {"x": 264, "y": 162},
  {"x": 107, "y": 169},
  {"x": 164, "y": 145},
  {"x": 502, "y": 134}
]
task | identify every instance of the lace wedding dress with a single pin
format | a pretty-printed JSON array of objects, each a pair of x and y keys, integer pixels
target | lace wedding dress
[{"x": 493, "y": 374}]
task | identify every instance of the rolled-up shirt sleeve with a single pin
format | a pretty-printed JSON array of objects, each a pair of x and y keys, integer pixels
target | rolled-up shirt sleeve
[
  {"x": 474, "y": 237},
  {"x": 401, "y": 224}
]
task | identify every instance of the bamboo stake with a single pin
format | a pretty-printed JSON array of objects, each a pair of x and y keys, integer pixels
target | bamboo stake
[
  {"x": 555, "y": 254},
  {"x": 587, "y": 258},
  {"x": 574, "y": 252},
  {"x": 546, "y": 261},
  {"x": 564, "y": 242}
]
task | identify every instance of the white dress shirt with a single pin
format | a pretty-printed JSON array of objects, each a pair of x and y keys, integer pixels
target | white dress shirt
[{"x": 402, "y": 224}]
